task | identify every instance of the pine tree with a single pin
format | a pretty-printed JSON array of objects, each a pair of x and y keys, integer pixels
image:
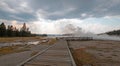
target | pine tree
[
  {"x": 2, "y": 30},
  {"x": 13, "y": 31}
]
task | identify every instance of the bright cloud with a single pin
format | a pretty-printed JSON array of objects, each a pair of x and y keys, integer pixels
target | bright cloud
[
  {"x": 63, "y": 16},
  {"x": 62, "y": 26}
]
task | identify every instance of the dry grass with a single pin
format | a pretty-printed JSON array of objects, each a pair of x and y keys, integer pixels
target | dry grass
[
  {"x": 12, "y": 49},
  {"x": 14, "y": 39},
  {"x": 114, "y": 55},
  {"x": 83, "y": 58},
  {"x": 34, "y": 53},
  {"x": 99, "y": 49},
  {"x": 7, "y": 39},
  {"x": 92, "y": 47},
  {"x": 52, "y": 41},
  {"x": 102, "y": 53}
]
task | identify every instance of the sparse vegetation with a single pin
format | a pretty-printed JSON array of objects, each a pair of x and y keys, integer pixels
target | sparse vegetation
[
  {"x": 103, "y": 53},
  {"x": 83, "y": 58},
  {"x": 109, "y": 57},
  {"x": 21, "y": 39},
  {"x": 12, "y": 49},
  {"x": 114, "y": 55},
  {"x": 52, "y": 41},
  {"x": 99, "y": 49},
  {"x": 34, "y": 53}
]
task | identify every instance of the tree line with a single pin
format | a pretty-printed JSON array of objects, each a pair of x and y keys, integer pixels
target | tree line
[
  {"x": 115, "y": 32},
  {"x": 11, "y": 31}
]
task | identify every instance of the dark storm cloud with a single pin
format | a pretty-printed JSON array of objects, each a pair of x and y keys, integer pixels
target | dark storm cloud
[
  {"x": 26, "y": 10},
  {"x": 20, "y": 17}
]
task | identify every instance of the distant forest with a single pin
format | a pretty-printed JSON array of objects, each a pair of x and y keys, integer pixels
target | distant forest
[
  {"x": 11, "y": 31},
  {"x": 115, "y": 32}
]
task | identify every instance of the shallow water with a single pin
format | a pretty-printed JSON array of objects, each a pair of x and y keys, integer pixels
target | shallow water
[{"x": 19, "y": 43}]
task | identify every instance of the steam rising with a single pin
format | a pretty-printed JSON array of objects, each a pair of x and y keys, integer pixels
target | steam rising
[
  {"x": 75, "y": 27},
  {"x": 78, "y": 32}
]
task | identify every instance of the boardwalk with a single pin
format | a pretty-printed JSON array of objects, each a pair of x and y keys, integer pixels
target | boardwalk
[{"x": 57, "y": 55}]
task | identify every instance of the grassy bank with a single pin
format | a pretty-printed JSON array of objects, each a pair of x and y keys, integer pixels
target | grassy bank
[
  {"x": 12, "y": 49},
  {"x": 83, "y": 58},
  {"x": 21, "y": 48},
  {"x": 15, "y": 39}
]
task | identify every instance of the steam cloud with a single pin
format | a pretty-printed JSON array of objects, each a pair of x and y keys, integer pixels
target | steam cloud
[
  {"x": 78, "y": 32},
  {"x": 64, "y": 26}
]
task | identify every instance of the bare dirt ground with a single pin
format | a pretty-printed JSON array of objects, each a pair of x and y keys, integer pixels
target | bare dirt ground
[{"x": 96, "y": 52}]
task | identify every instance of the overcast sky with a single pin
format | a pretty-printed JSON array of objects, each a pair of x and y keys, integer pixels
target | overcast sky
[{"x": 52, "y": 16}]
